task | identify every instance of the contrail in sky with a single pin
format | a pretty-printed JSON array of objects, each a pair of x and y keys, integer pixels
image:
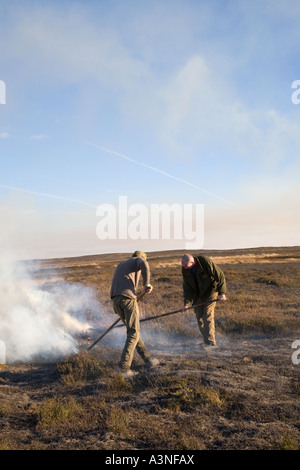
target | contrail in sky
[
  {"x": 53, "y": 196},
  {"x": 144, "y": 165},
  {"x": 157, "y": 170}
]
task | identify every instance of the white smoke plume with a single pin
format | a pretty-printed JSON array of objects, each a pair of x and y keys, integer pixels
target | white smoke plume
[{"x": 38, "y": 322}]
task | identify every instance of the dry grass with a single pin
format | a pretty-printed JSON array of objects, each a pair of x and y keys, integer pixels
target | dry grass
[{"x": 80, "y": 368}]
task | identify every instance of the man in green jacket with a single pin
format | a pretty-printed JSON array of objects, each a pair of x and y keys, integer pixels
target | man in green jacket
[
  {"x": 203, "y": 283},
  {"x": 123, "y": 294}
]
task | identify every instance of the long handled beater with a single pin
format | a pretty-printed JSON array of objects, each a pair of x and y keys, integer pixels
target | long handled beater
[
  {"x": 148, "y": 318},
  {"x": 176, "y": 311},
  {"x": 111, "y": 326}
]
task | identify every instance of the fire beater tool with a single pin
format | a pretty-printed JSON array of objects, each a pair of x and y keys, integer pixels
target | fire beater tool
[
  {"x": 148, "y": 318},
  {"x": 111, "y": 326},
  {"x": 176, "y": 311}
]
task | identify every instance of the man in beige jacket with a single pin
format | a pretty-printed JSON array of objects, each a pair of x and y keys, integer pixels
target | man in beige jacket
[{"x": 124, "y": 297}]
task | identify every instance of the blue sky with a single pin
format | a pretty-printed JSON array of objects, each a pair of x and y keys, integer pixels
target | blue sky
[{"x": 175, "y": 101}]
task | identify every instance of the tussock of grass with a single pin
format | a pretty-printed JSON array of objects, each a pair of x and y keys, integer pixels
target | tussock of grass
[
  {"x": 71, "y": 414},
  {"x": 188, "y": 394},
  {"x": 118, "y": 422},
  {"x": 288, "y": 443},
  {"x": 7, "y": 407},
  {"x": 117, "y": 384},
  {"x": 56, "y": 412},
  {"x": 81, "y": 367},
  {"x": 5, "y": 445}
]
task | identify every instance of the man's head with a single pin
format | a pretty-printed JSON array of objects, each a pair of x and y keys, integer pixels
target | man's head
[
  {"x": 139, "y": 254},
  {"x": 187, "y": 261}
]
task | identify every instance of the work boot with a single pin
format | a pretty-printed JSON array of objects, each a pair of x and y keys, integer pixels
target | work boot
[
  {"x": 153, "y": 362},
  {"x": 210, "y": 346},
  {"x": 126, "y": 373}
]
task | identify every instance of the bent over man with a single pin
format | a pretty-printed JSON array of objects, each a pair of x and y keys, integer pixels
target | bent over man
[
  {"x": 203, "y": 283},
  {"x": 123, "y": 294}
]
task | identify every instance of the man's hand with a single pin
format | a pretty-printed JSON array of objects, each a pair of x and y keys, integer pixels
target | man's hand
[
  {"x": 184, "y": 308},
  {"x": 222, "y": 297},
  {"x": 148, "y": 288}
]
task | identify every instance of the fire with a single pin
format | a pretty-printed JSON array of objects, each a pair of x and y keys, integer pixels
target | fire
[{"x": 82, "y": 341}]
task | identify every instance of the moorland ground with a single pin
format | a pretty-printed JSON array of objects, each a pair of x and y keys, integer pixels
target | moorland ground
[{"x": 244, "y": 395}]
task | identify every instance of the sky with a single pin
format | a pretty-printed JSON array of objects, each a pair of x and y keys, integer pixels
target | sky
[{"x": 175, "y": 102}]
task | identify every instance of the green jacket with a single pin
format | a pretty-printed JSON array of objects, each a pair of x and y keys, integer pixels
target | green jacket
[{"x": 206, "y": 280}]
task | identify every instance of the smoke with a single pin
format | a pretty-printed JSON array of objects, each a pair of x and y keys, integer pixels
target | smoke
[{"x": 40, "y": 321}]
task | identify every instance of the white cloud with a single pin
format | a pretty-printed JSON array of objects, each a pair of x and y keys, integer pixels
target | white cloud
[
  {"x": 204, "y": 111},
  {"x": 4, "y": 135},
  {"x": 191, "y": 108},
  {"x": 70, "y": 48},
  {"x": 39, "y": 137}
]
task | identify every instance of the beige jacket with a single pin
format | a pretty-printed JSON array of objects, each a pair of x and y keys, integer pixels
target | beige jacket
[{"x": 127, "y": 275}]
